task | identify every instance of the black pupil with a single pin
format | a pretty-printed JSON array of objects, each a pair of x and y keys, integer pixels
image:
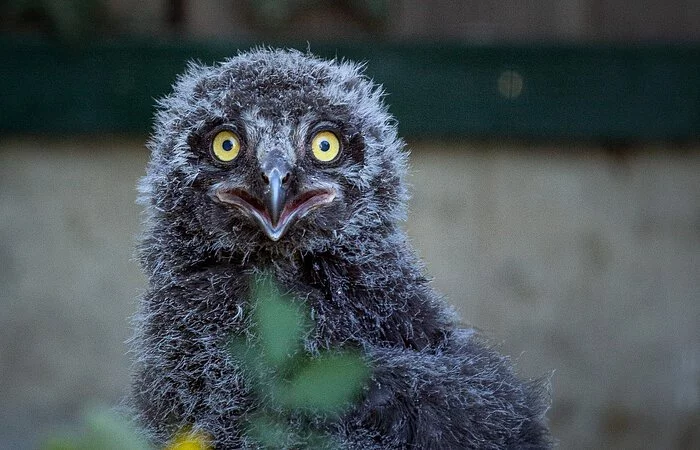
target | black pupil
[
  {"x": 324, "y": 146},
  {"x": 227, "y": 145}
]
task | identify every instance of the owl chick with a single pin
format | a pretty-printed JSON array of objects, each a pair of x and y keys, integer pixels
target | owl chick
[{"x": 280, "y": 162}]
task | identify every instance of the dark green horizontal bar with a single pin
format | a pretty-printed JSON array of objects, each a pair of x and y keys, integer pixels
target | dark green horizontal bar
[{"x": 547, "y": 91}]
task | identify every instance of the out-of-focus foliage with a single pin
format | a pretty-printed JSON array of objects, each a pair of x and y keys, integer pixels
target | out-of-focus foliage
[
  {"x": 104, "y": 430},
  {"x": 287, "y": 381},
  {"x": 294, "y": 390},
  {"x": 325, "y": 384},
  {"x": 107, "y": 430}
]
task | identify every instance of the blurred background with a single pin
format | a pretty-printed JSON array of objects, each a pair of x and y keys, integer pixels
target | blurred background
[{"x": 555, "y": 171}]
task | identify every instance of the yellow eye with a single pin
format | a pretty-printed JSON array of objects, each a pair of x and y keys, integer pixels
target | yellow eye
[
  {"x": 325, "y": 146},
  {"x": 226, "y": 146}
]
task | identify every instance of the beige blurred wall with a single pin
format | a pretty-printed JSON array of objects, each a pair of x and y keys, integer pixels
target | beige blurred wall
[{"x": 576, "y": 262}]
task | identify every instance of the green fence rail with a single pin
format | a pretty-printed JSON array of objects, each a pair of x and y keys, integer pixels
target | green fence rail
[{"x": 649, "y": 92}]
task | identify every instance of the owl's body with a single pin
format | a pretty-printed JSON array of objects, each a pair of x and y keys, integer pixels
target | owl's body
[{"x": 306, "y": 183}]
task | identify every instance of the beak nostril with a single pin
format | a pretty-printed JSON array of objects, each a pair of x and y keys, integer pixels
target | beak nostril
[{"x": 275, "y": 177}]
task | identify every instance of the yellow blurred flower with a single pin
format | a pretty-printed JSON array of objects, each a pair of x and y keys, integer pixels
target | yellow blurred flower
[{"x": 190, "y": 441}]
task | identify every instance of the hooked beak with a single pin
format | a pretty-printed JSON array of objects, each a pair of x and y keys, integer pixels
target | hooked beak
[
  {"x": 277, "y": 210},
  {"x": 276, "y": 194}
]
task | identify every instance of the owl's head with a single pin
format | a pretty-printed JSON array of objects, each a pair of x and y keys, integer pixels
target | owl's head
[{"x": 275, "y": 149}]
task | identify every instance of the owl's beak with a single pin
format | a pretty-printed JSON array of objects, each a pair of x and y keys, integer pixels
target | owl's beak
[
  {"x": 277, "y": 210},
  {"x": 283, "y": 211},
  {"x": 276, "y": 194}
]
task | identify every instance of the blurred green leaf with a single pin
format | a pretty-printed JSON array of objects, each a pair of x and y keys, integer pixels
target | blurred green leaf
[
  {"x": 287, "y": 381},
  {"x": 269, "y": 431},
  {"x": 247, "y": 354},
  {"x": 281, "y": 323},
  {"x": 272, "y": 431},
  {"x": 105, "y": 430},
  {"x": 327, "y": 384}
]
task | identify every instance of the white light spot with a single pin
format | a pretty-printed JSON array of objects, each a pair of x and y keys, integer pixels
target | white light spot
[{"x": 510, "y": 84}]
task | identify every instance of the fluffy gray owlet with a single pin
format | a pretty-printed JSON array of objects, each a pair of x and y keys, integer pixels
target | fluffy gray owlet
[{"x": 280, "y": 162}]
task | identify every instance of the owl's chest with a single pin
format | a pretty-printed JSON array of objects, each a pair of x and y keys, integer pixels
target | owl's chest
[{"x": 333, "y": 299}]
